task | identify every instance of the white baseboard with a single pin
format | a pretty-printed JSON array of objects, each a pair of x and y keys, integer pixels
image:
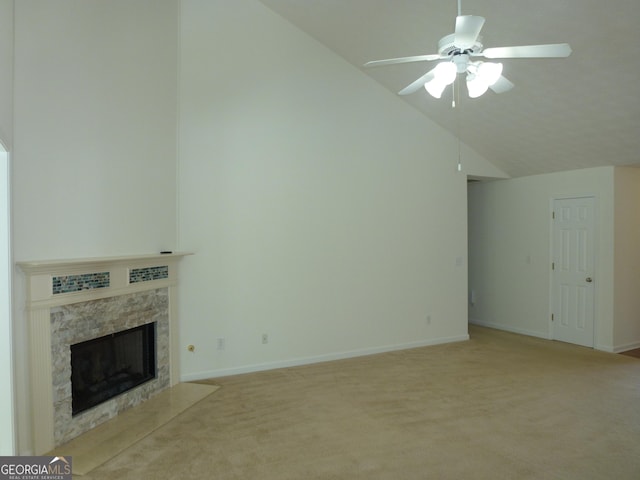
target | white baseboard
[
  {"x": 626, "y": 347},
  {"x": 602, "y": 348},
  {"x": 294, "y": 362},
  {"x": 508, "y": 328},
  {"x": 605, "y": 348}
]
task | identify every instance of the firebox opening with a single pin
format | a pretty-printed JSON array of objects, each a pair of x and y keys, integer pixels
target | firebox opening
[{"x": 105, "y": 367}]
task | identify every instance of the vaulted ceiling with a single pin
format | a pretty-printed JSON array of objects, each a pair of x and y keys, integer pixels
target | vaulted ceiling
[{"x": 563, "y": 114}]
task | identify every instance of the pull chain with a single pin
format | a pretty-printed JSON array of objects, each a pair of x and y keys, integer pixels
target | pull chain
[
  {"x": 456, "y": 92},
  {"x": 453, "y": 89}
]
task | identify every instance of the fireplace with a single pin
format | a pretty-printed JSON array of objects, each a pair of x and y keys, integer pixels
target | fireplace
[
  {"x": 70, "y": 302},
  {"x": 105, "y": 367}
]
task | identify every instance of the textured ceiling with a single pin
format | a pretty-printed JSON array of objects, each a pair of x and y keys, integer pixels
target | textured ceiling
[{"x": 563, "y": 114}]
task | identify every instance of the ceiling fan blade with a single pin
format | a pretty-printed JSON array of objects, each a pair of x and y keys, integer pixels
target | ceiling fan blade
[
  {"x": 416, "y": 85},
  {"x": 553, "y": 50},
  {"x": 467, "y": 30},
  {"x": 393, "y": 61},
  {"x": 502, "y": 85}
]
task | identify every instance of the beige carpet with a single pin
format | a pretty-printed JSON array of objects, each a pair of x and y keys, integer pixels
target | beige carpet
[{"x": 500, "y": 406}]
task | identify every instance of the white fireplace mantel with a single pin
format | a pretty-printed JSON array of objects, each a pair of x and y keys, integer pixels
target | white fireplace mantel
[
  {"x": 41, "y": 272},
  {"x": 55, "y": 283}
]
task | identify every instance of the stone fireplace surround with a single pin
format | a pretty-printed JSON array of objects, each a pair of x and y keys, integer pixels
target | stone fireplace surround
[
  {"x": 71, "y": 324},
  {"x": 70, "y": 301}
]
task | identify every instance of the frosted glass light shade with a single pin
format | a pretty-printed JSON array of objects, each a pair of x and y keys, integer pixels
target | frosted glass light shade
[
  {"x": 476, "y": 86},
  {"x": 446, "y": 72},
  {"x": 489, "y": 72},
  {"x": 435, "y": 87}
]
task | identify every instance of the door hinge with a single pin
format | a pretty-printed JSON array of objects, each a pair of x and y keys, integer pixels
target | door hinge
[
  {"x": 553, "y": 215},
  {"x": 552, "y": 317},
  {"x": 553, "y": 265}
]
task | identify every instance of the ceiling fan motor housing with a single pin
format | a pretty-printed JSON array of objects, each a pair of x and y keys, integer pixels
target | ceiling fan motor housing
[{"x": 447, "y": 47}]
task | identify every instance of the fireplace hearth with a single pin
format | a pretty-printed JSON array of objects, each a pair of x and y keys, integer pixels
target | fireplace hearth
[{"x": 105, "y": 367}]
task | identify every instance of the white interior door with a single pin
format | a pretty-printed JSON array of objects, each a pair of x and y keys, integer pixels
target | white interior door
[{"x": 573, "y": 270}]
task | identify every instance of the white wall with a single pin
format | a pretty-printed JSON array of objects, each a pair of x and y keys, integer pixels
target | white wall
[
  {"x": 322, "y": 210},
  {"x": 627, "y": 258},
  {"x": 95, "y": 122},
  {"x": 94, "y": 144},
  {"x": 7, "y": 434},
  {"x": 476, "y": 167},
  {"x": 509, "y": 250}
]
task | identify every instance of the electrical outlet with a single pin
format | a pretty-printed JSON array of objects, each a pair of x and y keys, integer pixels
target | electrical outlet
[
  {"x": 221, "y": 343},
  {"x": 265, "y": 338}
]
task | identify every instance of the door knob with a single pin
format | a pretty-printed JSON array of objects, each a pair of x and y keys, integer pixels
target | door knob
[{"x": 589, "y": 279}]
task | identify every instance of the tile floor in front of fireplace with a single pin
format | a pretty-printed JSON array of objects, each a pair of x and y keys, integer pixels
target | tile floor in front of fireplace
[{"x": 96, "y": 446}]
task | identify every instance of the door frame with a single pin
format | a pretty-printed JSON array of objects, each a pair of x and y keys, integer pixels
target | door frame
[
  {"x": 595, "y": 260},
  {"x": 7, "y": 399}
]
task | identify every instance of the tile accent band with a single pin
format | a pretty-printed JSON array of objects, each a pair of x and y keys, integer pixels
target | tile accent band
[
  {"x": 148, "y": 273},
  {"x": 76, "y": 283}
]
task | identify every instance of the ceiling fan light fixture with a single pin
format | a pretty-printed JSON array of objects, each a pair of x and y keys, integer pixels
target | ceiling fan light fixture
[
  {"x": 476, "y": 85},
  {"x": 435, "y": 87},
  {"x": 490, "y": 72},
  {"x": 445, "y": 72}
]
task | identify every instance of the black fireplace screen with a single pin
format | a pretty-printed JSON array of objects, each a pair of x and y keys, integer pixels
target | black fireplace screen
[{"x": 105, "y": 367}]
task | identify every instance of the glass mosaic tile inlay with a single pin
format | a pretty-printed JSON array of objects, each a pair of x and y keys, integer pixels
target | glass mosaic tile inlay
[
  {"x": 148, "y": 273},
  {"x": 76, "y": 283}
]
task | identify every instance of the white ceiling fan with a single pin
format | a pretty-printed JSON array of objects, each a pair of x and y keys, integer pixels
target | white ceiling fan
[{"x": 458, "y": 52}]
